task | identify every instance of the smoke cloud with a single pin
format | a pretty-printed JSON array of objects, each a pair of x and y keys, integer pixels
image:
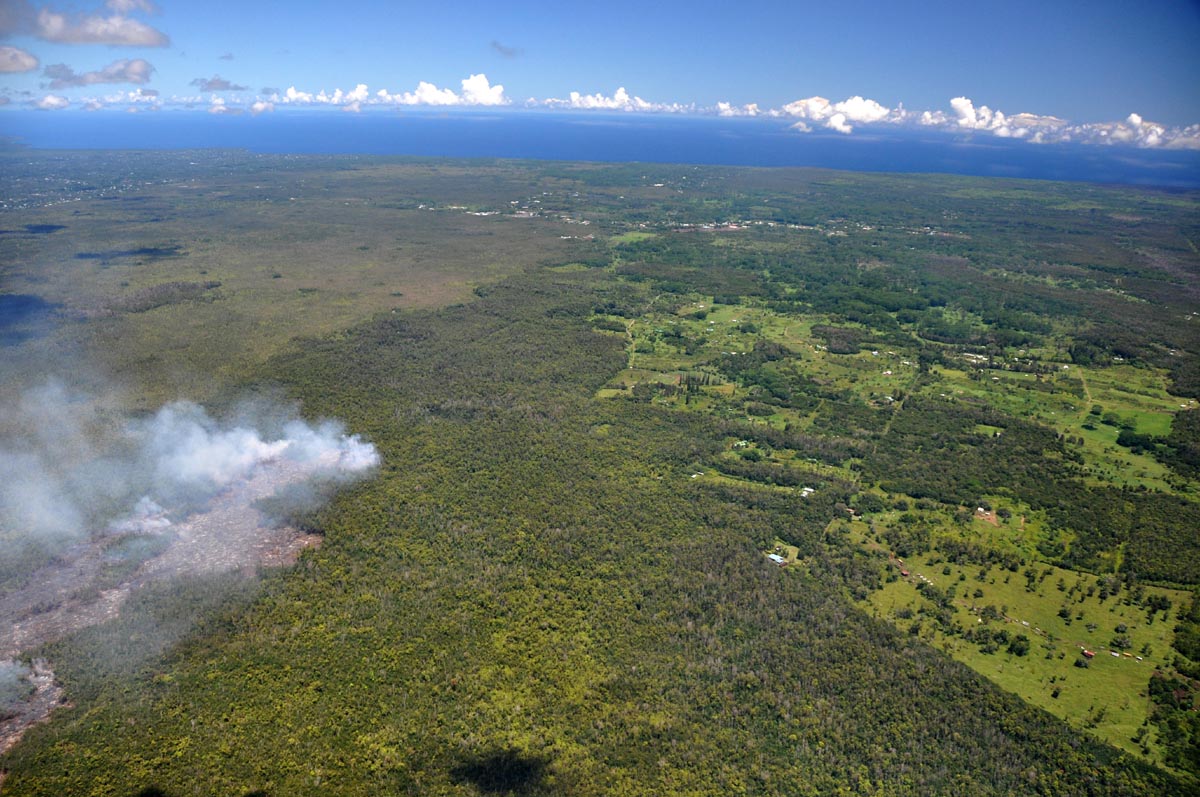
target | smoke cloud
[
  {"x": 95, "y": 507},
  {"x": 69, "y": 474}
]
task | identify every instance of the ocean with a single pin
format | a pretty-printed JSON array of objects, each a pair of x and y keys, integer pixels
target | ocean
[{"x": 603, "y": 137}]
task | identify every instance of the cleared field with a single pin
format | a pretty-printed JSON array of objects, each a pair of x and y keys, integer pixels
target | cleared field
[{"x": 1107, "y": 698}]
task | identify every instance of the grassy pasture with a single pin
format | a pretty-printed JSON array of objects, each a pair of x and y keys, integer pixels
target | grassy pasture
[
  {"x": 630, "y": 237},
  {"x": 1108, "y": 698},
  {"x": 668, "y": 342}
]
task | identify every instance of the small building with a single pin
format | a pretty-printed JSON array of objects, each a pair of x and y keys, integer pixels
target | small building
[
  {"x": 777, "y": 559},
  {"x": 1089, "y": 653}
]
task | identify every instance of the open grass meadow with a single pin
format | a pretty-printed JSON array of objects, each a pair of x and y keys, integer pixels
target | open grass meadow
[{"x": 1061, "y": 614}]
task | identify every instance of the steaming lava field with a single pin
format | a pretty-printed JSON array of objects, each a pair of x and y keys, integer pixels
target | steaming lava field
[
  {"x": 71, "y": 592},
  {"x": 77, "y": 588},
  {"x": 628, "y": 479}
]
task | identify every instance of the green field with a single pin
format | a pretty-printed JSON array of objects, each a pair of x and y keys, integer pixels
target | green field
[{"x": 1107, "y": 698}]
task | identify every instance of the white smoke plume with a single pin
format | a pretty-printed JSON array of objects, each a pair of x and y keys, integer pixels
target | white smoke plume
[
  {"x": 94, "y": 508},
  {"x": 60, "y": 486}
]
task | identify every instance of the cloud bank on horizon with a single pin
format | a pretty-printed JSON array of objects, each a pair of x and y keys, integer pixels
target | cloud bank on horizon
[
  {"x": 117, "y": 25},
  {"x": 810, "y": 114}
]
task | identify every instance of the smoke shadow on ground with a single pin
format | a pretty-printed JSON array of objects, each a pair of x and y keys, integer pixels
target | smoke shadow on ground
[
  {"x": 42, "y": 229},
  {"x": 23, "y": 316},
  {"x": 151, "y": 252},
  {"x": 506, "y": 771}
]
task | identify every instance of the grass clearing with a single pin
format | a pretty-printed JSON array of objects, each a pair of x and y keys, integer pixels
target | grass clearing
[
  {"x": 631, "y": 237},
  {"x": 1107, "y": 698}
]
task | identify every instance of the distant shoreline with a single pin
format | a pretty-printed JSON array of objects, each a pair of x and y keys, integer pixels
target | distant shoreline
[{"x": 606, "y": 138}]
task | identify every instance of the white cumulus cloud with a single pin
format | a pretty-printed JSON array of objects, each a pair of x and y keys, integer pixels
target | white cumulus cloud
[
  {"x": 838, "y": 122},
  {"x": 969, "y": 117},
  {"x": 838, "y": 115},
  {"x": 862, "y": 110},
  {"x": 217, "y": 105},
  {"x": 476, "y": 90},
  {"x": 14, "y": 59},
  {"x": 728, "y": 109},
  {"x": 964, "y": 115},
  {"x": 51, "y": 102},
  {"x": 146, "y": 97},
  {"x": 964, "y": 112},
  {"x": 293, "y": 96},
  {"x": 126, "y": 70},
  {"x": 426, "y": 94},
  {"x": 961, "y": 116},
  {"x": 810, "y": 108},
  {"x": 116, "y": 30},
  {"x": 1133, "y": 130},
  {"x": 932, "y": 118},
  {"x": 621, "y": 100}
]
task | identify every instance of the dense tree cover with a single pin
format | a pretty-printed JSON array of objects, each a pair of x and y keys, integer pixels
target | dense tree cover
[
  {"x": 1176, "y": 694},
  {"x": 532, "y": 594},
  {"x": 1175, "y": 714},
  {"x": 1018, "y": 263},
  {"x": 1182, "y": 445},
  {"x": 827, "y": 449}
]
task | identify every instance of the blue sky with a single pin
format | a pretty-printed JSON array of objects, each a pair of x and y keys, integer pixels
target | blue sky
[{"x": 1053, "y": 70}]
